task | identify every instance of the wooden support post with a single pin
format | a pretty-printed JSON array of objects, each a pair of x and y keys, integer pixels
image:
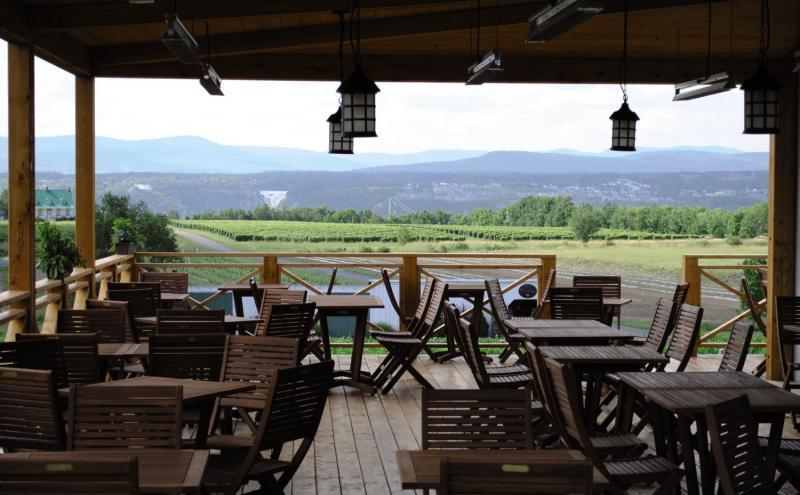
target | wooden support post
[
  {"x": 21, "y": 180},
  {"x": 691, "y": 276},
  {"x": 270, "y": 271},
  {"x": 548, "y": 263},
  {"x": 409, "y": 287},
  {"x": 783, "y": 162},
  {"x": 85, "y": 181}
]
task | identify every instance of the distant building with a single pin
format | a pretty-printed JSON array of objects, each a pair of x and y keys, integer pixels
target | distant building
[{"x": 55, "y": 204}]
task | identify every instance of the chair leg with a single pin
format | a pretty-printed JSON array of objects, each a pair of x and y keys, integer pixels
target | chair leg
[{"x": 406, "y": 363}]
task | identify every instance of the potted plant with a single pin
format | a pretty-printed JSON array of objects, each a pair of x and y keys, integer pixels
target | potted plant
[
  {"x": 56, "y": 254},
  {"x": 123, "y": 236}
]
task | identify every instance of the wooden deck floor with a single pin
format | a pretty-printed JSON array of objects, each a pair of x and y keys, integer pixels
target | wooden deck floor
[{"x": 354, "y": 451}]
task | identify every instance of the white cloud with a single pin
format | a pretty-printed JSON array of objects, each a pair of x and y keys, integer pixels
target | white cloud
[{"x": 411, "y": 117}]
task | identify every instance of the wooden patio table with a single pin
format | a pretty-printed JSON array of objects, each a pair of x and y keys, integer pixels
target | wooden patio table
[
  {"x": 354, "y": 306},
  {"x": 160, "y": 470},
  {"x": 594, "y": 362},
  {"x": 567, "y": 332},
  {"x": 232, "y": 322},
  {"x": 678, "y": 400},
  {"x": 420, "y": 469},
  {"x": 240, "y": 291},
  {"x": 196, "y": 394}
]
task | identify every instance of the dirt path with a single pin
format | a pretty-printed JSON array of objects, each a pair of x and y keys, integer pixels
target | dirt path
[{"x": 203, "y": 241}]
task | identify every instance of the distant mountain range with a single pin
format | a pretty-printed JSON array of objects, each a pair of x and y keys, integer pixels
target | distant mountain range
[{"x": 192, "y": 155}]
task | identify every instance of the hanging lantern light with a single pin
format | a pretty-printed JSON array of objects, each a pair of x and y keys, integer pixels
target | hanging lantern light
[
  {"x": 337, "y": 143},
  {"x": 761, "y": 90},
  {"x": 358, "y": 91},
  {"x": 623, "y": 121}
]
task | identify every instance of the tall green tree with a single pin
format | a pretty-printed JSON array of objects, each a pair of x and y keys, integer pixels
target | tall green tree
[{"x": 153, "y": 228}]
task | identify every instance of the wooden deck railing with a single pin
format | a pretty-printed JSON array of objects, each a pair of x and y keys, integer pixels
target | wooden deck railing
[
  {"x": 697, "y": 267},
  {"x": 49, "y": 293}
]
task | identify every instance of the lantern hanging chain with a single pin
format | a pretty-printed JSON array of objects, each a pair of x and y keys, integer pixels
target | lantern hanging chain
[
  {"x": 496, "y": 25},
  {"x": 208, "y": 45},
  {"x": 478, "y": 36},
  {"x": 355, "y": 40},
  {"x": 708, "y": 44},
  {"x": 623, "y": 64},
  {"x": 764, "y": 32},
  {"x": 341, "y": 46}
]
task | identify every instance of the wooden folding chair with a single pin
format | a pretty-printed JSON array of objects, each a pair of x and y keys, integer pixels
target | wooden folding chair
[
  {"x": 684, "y": 337},
  {"x": 570, "y": 303},
  {"x": 292, "y": 412},
  {"x": 121, "y": 306},
  {"x": 108, "y": 324},
  {"x": 610, "y": 285},
  {"x": 409, "y": 322},
  {"x": 30, "y": 411},
  {"x": 184, "y": 321},
  {"x": 37, "y": 354},
  {"x": 500, "y": 313},
  {"x": 142, "y": 302},
  {"x": 171, "y": 282},
  {"x": 270, "y": 297},
  {"x": 294, "y": 321},
  {"x": 735, "y": 353},
  {"x": 196, "y": 357},
  {"x": 755, "y": 314},
  {"x": 544, "y": 295},
  {"x": 80, "y": 357},
  {"x": 66, "y": 475}
]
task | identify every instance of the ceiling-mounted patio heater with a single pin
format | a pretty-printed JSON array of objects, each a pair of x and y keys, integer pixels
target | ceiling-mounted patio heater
[
  {"x": 623, "y": 127},
  {"x": 180, "y": 41},
  {"x": 559, "y": 18},
  {"x": 706, "y": 86},
  {"x": 762, "y": 90},
  {"x": 210, "y": 81},
  {"x": 338, "y": 144}
]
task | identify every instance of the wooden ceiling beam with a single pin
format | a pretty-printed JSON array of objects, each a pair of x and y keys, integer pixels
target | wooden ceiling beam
[
  {"x": 426, "y": 68},
  {"x": 57, "y": 48}
]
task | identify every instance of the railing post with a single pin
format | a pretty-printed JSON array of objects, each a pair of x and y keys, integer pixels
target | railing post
[
  {"x": 409, "y": 286},
  {"x": 51, "y": 310},
  {"x": 548, "y": 263},
  {"x": 270, "y": 271},
  {"x": 691, "y": 275}
]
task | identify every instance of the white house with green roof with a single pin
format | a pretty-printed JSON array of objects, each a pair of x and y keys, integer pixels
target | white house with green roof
[{"x": 55, "y": 204}]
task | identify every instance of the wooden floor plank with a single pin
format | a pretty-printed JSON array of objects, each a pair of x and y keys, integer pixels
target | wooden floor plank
[
  {"x": 327, "y": 469},
  {"x": 351, "y": 480}
]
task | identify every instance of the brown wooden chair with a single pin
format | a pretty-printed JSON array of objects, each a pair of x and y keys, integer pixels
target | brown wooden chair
[
  {"x": 291, "y": 414},
  {"x": 253, "y": 360},
  {"x": 108, "y": 324},
  {"x": 66, "y": 475},
  {"x": 142, "y": 302},
  {"x": 185, "y": 321},
  {"x": 121, "y": 306},
  {"x": 487, "y": 476},
  {"x": 419, "y": 313},
  {"x": 500, "y": 313},
  {"x": 37, "y": 354},
  {"x": 294, "y": 321},
  {"x": 30, "y": 411},
  {"x": 477, "y": 419},
  {"x": 755, "y": 314},
  {"x": 403, "y": 349},
  {"x": 124, "y": 417},
  {"x": 611, "y": 287},
  {"x": 80, "y": 358},
  {"x": 621, "y": 473},
  {"x": 738, "y": 456},
  {"x": 679, "y": 296},
  {"x": 662, "y": 325},
  {"x": 196, "y": 357},
  {"x": 544, "y": 294},
  {"x": 271, "y": 297},
  {"x": 788, "y": 313},
  {"x": 570, "y": 303},
  {"x": 735, "y": 353},
  {"x": 171, "y": 282},
  {"x": 684, "y": 337}
]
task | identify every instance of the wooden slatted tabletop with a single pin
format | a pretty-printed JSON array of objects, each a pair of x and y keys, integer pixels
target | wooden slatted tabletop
[
  {"x": 567, "y": 332},
  {"x": 325, "y": 301},
  {"x": 123, "y": 350},
  {"x": 160, "y": 470},
  {"x": 694, "y": 380},
  {"x": 173, "y": 297},
  {"x": 770, "y": 399},
  {"x": 194, "y": 391},
  {"x": 616, "y": 301},
  {"x": 230, "y": 320},
  {"x": 526, "y": 323},
  {"x": 608, "y": 355}
]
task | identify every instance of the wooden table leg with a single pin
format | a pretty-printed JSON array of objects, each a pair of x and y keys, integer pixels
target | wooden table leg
[
  {"x": 238, "y": 307},
  {"x": 326, "y": 338},
  {"x": 775, "y": 432},
  {"x": 687, "y": 451},
  {"x": 203, "y": 423},
  {"x": 625, "y": 405},
  {"x": 355, "y": 378}
]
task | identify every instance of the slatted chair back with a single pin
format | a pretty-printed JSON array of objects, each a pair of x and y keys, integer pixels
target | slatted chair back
[
  {"x": 477, "y": 419},
  {"x": 125, "y": 417},
  {"x": 141, "y": 303},
  {"x": 271, "y": 297},
  {"x": 197, "y": 357},
  {"x": 30, "y": 412},
  {"x": 497, "y": 302},
  {"x": 171, "y": 282},
  {"x": 544, "y": 294},
  {"x": 108, "y": 324},
  {"x": 684, "y": 337},
  {"x": 567, "y": 405},
  {"x": 570, "y": 303},
  {"x": 679, "y": 296},
  {"x": 66, "y": 475},
  {"x": 469, "y": 344},
  {"x": 541, "y": 382},
  {"x": 661, "y": 326},
  {"x": 121, "y": 306},
  {"x": 183, "y": 321},
  {"x": 153, "y": 287},
  {"x": 331, "y": 281},
  {"x": 291, "y": 320},
  {"x": 254, "y": 360},
  {"x": 8, "y": 354},
  {"x": 487, "y": 476},
  {"x": 611, "y": 285},
  {"x": 79, "y": 353},
  {"x": 255, "y": 293},
  {"x": 39, "y": 354},
  {"x": 736, "y": 350},
  {"x": 738, "y": 456},
  {"x": 788, "y": 313},
  {"x": 752, "y": 305}
]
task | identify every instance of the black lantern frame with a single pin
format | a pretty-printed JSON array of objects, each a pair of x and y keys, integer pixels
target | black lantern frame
[
  {"x": 761, "y": 102},
  {"x": 623, "y": 129},
  {"x": 338, "y": 144},
  {"x": 358, "y": 105}
]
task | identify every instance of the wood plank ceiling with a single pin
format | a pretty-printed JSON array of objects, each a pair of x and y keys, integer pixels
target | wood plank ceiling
[{"x": 413, "y": 40}]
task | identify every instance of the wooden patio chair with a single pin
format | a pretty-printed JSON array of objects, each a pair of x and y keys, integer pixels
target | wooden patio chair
[
  {"x": 419, "y": 313},
  {"x": 477, "y": 419},
  {"x": 108, "y": 324},
  {"x": 292, "y": 410},
  {"x": 124, "y": 417},
  {"x": 621, "y": 473},
  {"x": 733, "y": 431},
  {"x": 735, "y": 353},
  {"x": 788, "y": 313},
  {"x": 295, "y": 321},
  {"x": 66, "y": 475},
  {"x": 679, "y": 296},
  {"x": 38, "y": 354},
  {"x": 611, "y": 287},
  {"x": 121, "y": 306},
  {"x": 462, "y": 477},
  {"x": 604, "y": 445},
  {"x": 186, "y": 321},
  {"x": 544, "y": 295},
  {"x": 171, "y": 282},
  {"x": 500, "y": 313},
  {"x": 253, "y": 360},
  {"x": 270, "y": 297},
  {"x": 755, "y": 314},
  {"x": 30, "y": 411},
  {"x": 154, "y": 287},
  {"x": 403, "y": 349},
  {"x": 582, "y": 303},
  {"x": 196, "y": 357},
  {"x": 143, "y": 302},
  {"x": 79, "y": 353},
  {"x": 684, "y": 337}
]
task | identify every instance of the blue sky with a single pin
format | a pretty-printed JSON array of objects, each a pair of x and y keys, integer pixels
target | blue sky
[{"x": 411, "y": 117}]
